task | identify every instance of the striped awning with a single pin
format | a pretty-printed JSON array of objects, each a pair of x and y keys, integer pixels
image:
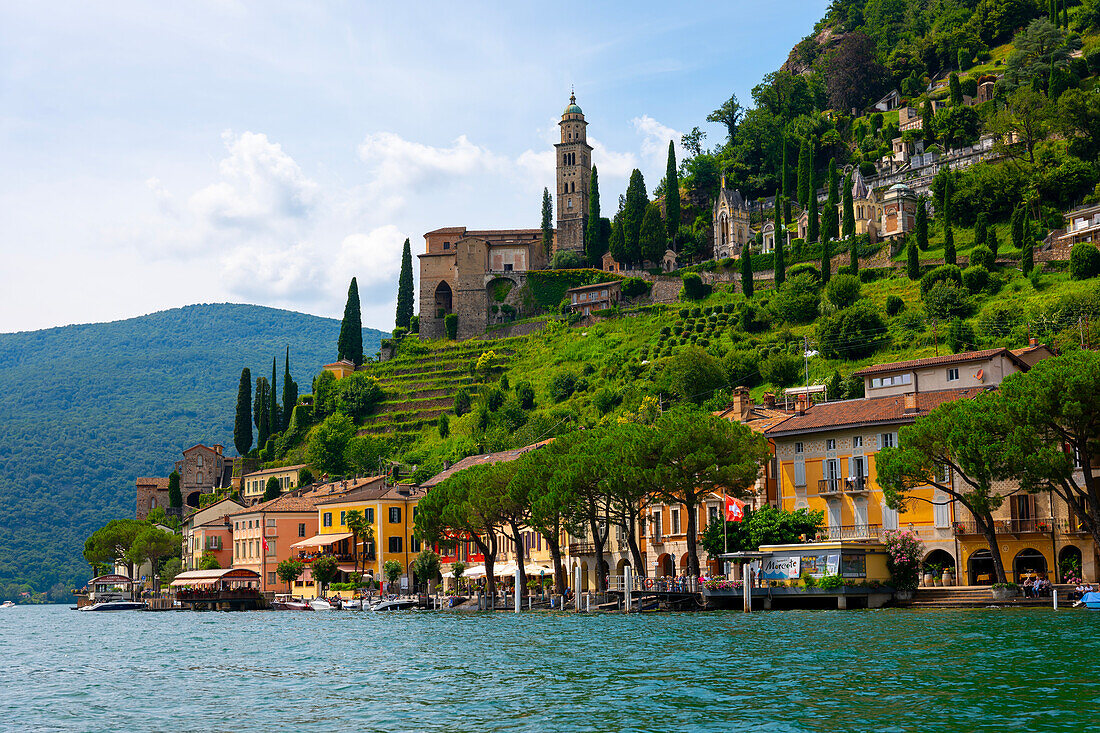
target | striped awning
[{"x": 322, "y": 540}]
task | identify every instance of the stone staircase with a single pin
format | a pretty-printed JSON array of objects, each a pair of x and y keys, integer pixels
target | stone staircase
[{"x": 973, "y": 596}]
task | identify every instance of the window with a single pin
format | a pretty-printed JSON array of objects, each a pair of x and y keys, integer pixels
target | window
[
  {"x": 302, "y": 529},
  {"x": 326, "y": 519},
  {"x": 712, "y": 513},
  {"x": 200, "y": 477},
  {"x": 271, "y": 578},
  {"x": 395, "y": 544},
  {"x": 198, "y": 461},
  {"x": 569, "y": 203},
  {"x": 830, "y": 444},
  {"x": 891, "y": 381},
  {"x": 656, "y": 526},
  {"x": 414, "y": 544},
  {"x": 446, "y": 245},
  {"x": 943, "y": 473},
  {"x": 953, "y": 374},
  {"x": 507, "y": 268},
  {"x": 888, "y": 440},
  {"x": 271, "y": 548},
  {"x": 797, "y": 447},
  {"x": 675, "y": 516},
  {"x": 857, "y": 441},
  {"x": 368, "y": 514},
  {"x": 395, "y": 515},
  {"x": 271, "y": 521},
  {"x": 343, "y": 514}
]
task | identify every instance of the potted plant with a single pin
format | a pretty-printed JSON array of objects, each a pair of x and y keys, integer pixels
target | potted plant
[
  {"x": 928, "y": 579},
  {"x": 1004, "y": 591},
  {"x": 948, "y": 575}
]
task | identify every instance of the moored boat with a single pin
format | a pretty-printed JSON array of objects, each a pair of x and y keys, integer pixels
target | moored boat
[
  {"x": 1091, "y": 600},
  {"x": 115, "y": 605},
  {"x": 394, "y": 604},
  {"x": 7, "y": 604},
  {"x": 287, "y": 603},
  {"x": 320, "y": 604}
]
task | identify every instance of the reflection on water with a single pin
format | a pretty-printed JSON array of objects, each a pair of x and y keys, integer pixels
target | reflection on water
[{"x": 776, "y": 671}]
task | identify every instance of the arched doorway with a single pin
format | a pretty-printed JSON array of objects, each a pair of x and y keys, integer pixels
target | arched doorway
[
  {"x": 664, "y": 566},
  {"x": 1027, "y": 562},
  {"x": 939, "y": 558},
  {"x": 443, "y": 297},
  {"x": 193, "y": 499},
  {"x": 979, "y": 568},
  {"x": 620, "y": 566},
  {"x": 684, "y": 564},
  {"x": 1069, "y": 563},
  {"x": 584, "y": 575}
]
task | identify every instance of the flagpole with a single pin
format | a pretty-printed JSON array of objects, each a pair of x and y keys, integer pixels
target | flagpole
[{"x": 725, "y": 542}]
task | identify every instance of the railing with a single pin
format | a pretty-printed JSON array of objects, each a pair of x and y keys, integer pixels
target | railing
[
  {"x": 311, "y": 556},
  {"x": 582, "y": 548},
  {"x": 854, "y": 485},
  {"x": 850, "y": 532},
  {"x": 1008, "y": 526},
  {"x": 1071, "y": 526}
]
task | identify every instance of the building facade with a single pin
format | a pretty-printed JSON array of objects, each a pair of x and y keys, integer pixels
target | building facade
[
  {"x": 574, "y": 174},
  {"x": 202, "y": 469},
  {"x": 731, "y": 223},
  {"x": 209, "y": 530},
  {"x": 253, "y": 485}
]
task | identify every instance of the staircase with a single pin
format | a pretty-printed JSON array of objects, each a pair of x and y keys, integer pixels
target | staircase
[{"x": 971, "y": 596}]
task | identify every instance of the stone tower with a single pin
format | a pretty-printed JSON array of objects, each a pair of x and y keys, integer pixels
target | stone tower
[{"x": 574, "y": 174}]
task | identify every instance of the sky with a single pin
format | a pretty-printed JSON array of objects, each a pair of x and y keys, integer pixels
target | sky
[{"x": 155, "y": 155}]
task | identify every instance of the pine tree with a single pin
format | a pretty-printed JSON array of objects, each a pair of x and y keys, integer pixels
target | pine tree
[
  {"x": 263, "y": 414},
  {"x": 405, "y": 288},
  {"x": 746, "y": 271},
  {"x": 350, "y": 343},
  {"x": 633, "y": 212},
  {"x": 242, "y": 424},
  {"x": 594, "y": 243},
  {"x": 949, "y": 246},
  {"x": 830, "y": 218},
  {"x": 805, "y": 172},
  {"x": 956, "y": 89},
  {"x": 912, "y": 261},
  {"x": 672, "y": 196},
  {"x": 290, "y": 392},
  {"x": 175, "y": 496},
  {"x": 849, "y": 209},
  {"x": 780, "y": 248},
  {"x": 273, "y": 402},
  {"x": 922, "y": 224},
  {"x": 651, "y": 239},
  {"x": 617, "y": 242},
  {"x": 547, "y": 222},
  {"x": 981, "y": 227}
]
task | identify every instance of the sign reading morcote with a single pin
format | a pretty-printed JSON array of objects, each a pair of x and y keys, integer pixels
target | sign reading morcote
[{"x": 780, "y": 568}]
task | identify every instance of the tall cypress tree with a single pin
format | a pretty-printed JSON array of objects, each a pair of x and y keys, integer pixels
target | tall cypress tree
[
  {"x": 672, "y": 196},
  {"x": 853, "y": 254},
  {"x": 956, "y": 89},
  {"x": 350, "y": 343},
  {"x": 746, "y": 271},
  {"x": 830, "y": 218},
  {"x": 1027, "y": 245},
  {"x": 652, "y": 240},
  {"x": 617, "y": 242},
  {"x": 912, "y": 261},
  {"x": 242, "y": 424},
  {"x": 595, "y": 243},
  {"x": 826, "y": 260},
  {"x": 849, "y": 209},
  {"x": 405, "y": 288},
  {"x": 928, "y": 131},
  {"x": 922, "y": 224},
  {"x": 813, "y": 226},
  {"x": 290, "y": 392},
  {"x": 805, "y": 171},
  {"x": 949, "y": 246},
  {"x": 263, "y": 414},
  {"x": 633, "y": 213},
  {"x": 780, "y": 254},
  {"x": 273, "y": 402},
  {"x": 175, "y": 496},
  {"x": 547, "y": 222}
]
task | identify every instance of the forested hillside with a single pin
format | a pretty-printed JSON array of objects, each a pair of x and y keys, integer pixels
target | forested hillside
[{"x": 85, "y": 409}]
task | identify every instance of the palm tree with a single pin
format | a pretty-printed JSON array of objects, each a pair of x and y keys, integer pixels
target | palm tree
[{"x": 360, "y": 529}]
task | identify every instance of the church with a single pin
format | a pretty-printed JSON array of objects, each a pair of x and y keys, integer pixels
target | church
[{"x": 476, "y": 275}]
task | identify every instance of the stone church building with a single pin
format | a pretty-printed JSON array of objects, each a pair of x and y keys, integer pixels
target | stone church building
[{"x": 475, "y": 273}]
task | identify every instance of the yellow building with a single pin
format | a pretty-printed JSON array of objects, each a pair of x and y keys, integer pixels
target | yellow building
[
  {"x": 340, "y": 369},
  {"x": 253, "y": 485}
]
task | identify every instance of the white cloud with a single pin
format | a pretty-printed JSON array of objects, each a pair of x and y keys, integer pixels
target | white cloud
[
  {"x": 655, "y": 137},
  {"x": 374, "y": 257}
]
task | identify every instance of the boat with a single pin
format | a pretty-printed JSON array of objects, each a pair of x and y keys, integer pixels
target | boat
[
  {"x": 115, "y": 605},
  {"x": 320, "y": 604},
  {"x": 394, "y": 604},
  {"x": 355, "y": 604},
  {"x": 1090, "y": 600},
  {"x": 7, "y": 604},
  {"x": 287, "y": 603}
]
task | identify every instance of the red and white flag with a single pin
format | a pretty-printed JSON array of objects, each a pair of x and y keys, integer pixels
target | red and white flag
[
  {"x": 265, "y": 543},
  {"x": 735, "y": 509}
]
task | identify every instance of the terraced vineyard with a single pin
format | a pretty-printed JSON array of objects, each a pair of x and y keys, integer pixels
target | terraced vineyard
[{"x": 421, "y": 382}]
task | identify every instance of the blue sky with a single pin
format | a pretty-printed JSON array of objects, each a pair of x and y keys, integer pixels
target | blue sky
[{"x": 162, "y": 154}]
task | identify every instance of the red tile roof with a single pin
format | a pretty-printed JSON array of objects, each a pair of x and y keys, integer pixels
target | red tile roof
[
  {"x": 761, "y": 419},
  {"x": 932, "y": 361},
  {"x": 868, "y": 411},
  {"x": 154, "y": 481}
]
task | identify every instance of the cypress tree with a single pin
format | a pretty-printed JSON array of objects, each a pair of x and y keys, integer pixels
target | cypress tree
[
  {"x": 981, "y": 227},
  {"x": 956, "y": 89},
  {"x": 928, "y": 131},
  {"x": 991, "y": 240},
  {"x": 404, "y": 289},
  {"x": 946, "y": 217},
  {"x": 787, "y": 211},
  {"x": 547, "y": 222},
  {"x": 242, "y": 424},
  {"x": 830, "y": 222},
  {"x": 949, "y": 246},
  {"x": 263, "y": 414},
  {"x": 922, "y": 224},
  {"x": 617, "y": 242},
  {"x": 651, "y": 239},
  {"x": 1027, "y": 260},
  {"x": 826, "y": 260},
  {"x": 849, "y": 209},
  {"x": 290, "y": 392},
  {"x": 853, "y": 254},
  {"x": 1027, "y": 247},
  {"x": 746, "y": 271},
  {"x": 350, "y": 343},
  {"x": 780, "y": 253},
  {"x": 783, "y": 182},
  {"x": 633, "y": 212},
  {"x": 271, "y": 489},
  {"x": 273, "y": 402},
  {"x": 672, "y": 196},
  {"x": 594, "y": 243},
  {"x": 912, "y": 261},
  {"x": 805, "y": 171},
  {"x": 175, "y": 496},
  {"x": 813, "y": 225}
]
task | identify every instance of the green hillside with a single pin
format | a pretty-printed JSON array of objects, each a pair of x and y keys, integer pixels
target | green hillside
[{"x": 85, "y": 409}]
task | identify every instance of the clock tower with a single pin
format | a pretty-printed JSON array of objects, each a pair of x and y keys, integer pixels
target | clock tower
[{"x": 574, "y": 166}]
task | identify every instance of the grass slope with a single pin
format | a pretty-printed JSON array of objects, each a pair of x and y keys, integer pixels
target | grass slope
[{"x": 85, "y": 409}]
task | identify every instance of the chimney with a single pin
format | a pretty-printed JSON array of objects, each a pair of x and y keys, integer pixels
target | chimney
[
  {"x": 1033, "y": 342},
  {"x": 742, "y": 403},
  {"x": 446, "y": 465},
  {"x": 911, "y": 402},
  {"x": 801, "y": 404},
  {"x": 769, "y": 400}
]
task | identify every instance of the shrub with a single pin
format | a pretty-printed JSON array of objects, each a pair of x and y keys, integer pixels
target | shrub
[
  {"x": 685, "y": 312},
  {"x": 804, "y": 268},
  {"x": 566, "y": 260},
  {"x": 632, "y": 287},
  {"x": 562, "y": 386},
  {"x": 1084, "y": 261},
  {"x": 606, "y": 399},
  {"x": 950, "y": 273},
  {"x": 694, "y": 288},
  {"x": 358, "y": 395},
  {"x": 525, "y": 395},
  {"x": 946, "y": 300},
  {"x": 843, "y": 290},
  {"x": 444, "y": 425},
  {"x": 960, "y": 336},
  {"x": 1000, "y": 318},
  {"x": 781, "y": 369},
  {"x": 742, "y": 368},
  {"x": 750, "y": 323},
  {"x": 976, "y": 278},
  {"x": 696, "y": 312},
  {"x": 450, "y": 322},
  {"x": 894, "y": 305},
  {"x": 414, "y": 324},
  {"x": 797, "y": 299},
  {"x": 982, "y": 256},
  {"x": 462, "y": 402},
  {"x": 852, "y": 333},
  {"x": 494, "y": 398},
  {"x": 729, "y": 308}
]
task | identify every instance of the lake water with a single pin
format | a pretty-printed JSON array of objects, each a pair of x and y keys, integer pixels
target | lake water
[{"x": 887, "y": 670}]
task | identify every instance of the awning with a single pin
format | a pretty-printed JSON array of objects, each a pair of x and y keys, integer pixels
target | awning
[
  {"x": 322, "y": 540},
  {"x": 210, "y": 577},
  {"x": 346, "y": 568}
]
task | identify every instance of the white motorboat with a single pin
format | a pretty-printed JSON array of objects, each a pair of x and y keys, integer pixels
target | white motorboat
[
  {"x": 113, "y": 605},
  {"x": 289, "y": 603},
  {"x": 320, "y": 604},
  {"x": 352, "y": 605},
  {"x": 7, "y": 604},
  {"x": 394, "y": 604}
]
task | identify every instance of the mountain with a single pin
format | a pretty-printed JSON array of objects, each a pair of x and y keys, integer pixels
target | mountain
[{"x": 86, "y": 409}]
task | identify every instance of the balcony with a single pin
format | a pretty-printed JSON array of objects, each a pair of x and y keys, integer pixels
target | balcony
[
  {"x": 582, "y": 548},
  {"x": 1009, "y": 526},
  {"x": 856, "y": 485},
  {"x": 850, "y": 532}
]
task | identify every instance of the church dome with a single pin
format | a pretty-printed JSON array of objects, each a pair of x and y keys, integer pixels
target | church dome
[{"x": 572, "y": 109}]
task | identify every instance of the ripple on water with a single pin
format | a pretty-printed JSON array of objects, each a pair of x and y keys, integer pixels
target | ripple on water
[{"x": 780, "y": 671}]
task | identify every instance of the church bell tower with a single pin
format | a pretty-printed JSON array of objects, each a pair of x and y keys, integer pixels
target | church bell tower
[{"x": 574, "y": 165}]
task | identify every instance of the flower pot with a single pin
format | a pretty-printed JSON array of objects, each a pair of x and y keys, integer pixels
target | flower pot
[
  {"x": 938, "y": 582},
  {"x": 926, "y": 580},
  {"x": 948, "y": 578},
  {"x": 1003, "y": 594}
]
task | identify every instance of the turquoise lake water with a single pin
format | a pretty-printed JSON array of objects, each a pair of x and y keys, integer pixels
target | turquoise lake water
[{"x": 888, "y": 670}]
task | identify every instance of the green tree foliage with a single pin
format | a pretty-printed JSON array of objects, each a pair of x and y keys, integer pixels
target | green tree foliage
[
  {"x": 274, "y": 418},
  {"x": 634, "y": 210},
  {"x": 965, "y": 436},
  {"x": 849, "y": 226},
  {"x": 450, "y": 324},
  {"x": 830, "y": 224},
  {"x": 444, "y": 425},
  {"x": 111, "y": 543},
  {"x": 175, "y": 496},
  {"x": 325, "y": 390},
  {"x": 405, "y": 294},
  {"x": 350, "y": 344},
  {"x": 651, "y": 239},
  {"x": 955, "y": 88},
  {"x": 1037, "y": 49},
  {"x": 617, "y": 243},
  {"x": 957, "y": 127},
  {"x": 1084, "y": 261},
  {"x": 843, "y": 290},
  {"x": 426, "y": 567},
  {"x": 290, "y": 393},
  {"x": 922, "y": 224},
  {"x": 547, "y": 222},
  {"x": 797, "y": 301},
  {"x": 595, "y": 243},
  {"x": 271, "y": 489},
  {"x": 779, "y": 257},
  {"x": 324, "y": 570},
  {"x": 805, "y": 172},
  {"x": 260, "y": 411},
  {"x": 780, "y": 369},
  {"x": 525, "y": 395},
  {"x": 949, "y": 256},
  {"x": 912, "y": 261},
  {"x": 826, "y": 260},
  {"x": 894, "y": 305},
  {"x": 765, "y": 526},
  {"x": 153, "y": 545},
  {"x": 672, "y": 191},
  {"x": 853, "y": 333},
  {"x": 358, "y": 395},
  {"x": 982, "y": 256},
  {"x": 364, "y": 453},
  {"x": 242, "y": 423},
  {"x": 746, "y": 272},
  {"x": 928, "y": 123},
  {"x": 694, "y": 287},
  {"x": 462, "y": 402},
  {"x": 729, "y": 114},
  {"x": 693, "y": 374},
  {"x": 328, "y": 442},
  {"x": 813, "y": 229},
  {"x": 981, "y": 228},
  {"x": 288, "y": 571}
]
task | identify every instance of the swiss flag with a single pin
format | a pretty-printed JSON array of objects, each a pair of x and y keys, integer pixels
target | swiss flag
[
  {"x": 735, "y": 509},
  {"x": 265, "y": 543}
]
